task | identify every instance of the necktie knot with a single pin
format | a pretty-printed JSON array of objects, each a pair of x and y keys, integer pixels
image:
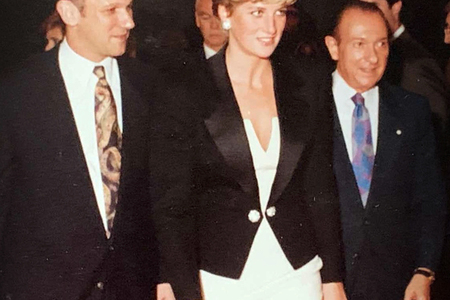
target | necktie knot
[
  {"x": 358, "y": 99},
  {"x": 99, "y": 71}
]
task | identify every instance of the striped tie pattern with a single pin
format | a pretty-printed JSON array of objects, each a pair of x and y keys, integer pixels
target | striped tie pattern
[{"x": 363, "y": 155}]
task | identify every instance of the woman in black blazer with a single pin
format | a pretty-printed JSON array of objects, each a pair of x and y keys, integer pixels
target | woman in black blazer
[{"x": 248, "y": 209}]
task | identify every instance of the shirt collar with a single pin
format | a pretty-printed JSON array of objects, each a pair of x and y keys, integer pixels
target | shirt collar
[
  {"x": 79, "y": 69},
  {"x": 398, "y": 32},
  {"x": 343, "y": 92},
  {"x": 208, "y": 51}
]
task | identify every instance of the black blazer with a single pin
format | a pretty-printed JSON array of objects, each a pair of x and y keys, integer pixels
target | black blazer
[
  {"x": 413, "y": 68},
  {"x": 52, "y": 241},
  {"x": 211, "y": 229},
  {"x": 402, "y": 226}
]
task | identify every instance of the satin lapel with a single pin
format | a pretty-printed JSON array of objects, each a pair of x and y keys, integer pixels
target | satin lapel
[
  {"x": 226, "y": 128},
  {"x": 294, "y": 115},
  {"x": 389, "y": 138}
]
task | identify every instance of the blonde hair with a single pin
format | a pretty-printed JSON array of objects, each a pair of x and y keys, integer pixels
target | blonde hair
[{"x": 231, "y": 4}]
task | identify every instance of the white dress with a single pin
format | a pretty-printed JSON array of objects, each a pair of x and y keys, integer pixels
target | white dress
[{"x": 267, "y": 274}]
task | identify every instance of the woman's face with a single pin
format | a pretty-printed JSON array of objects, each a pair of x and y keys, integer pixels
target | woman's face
[
  {"x": 447, "y": 29},
  {"x": 256, "y": 27}
]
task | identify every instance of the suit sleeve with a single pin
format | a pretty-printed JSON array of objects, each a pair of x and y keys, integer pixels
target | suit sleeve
[
  {"x": 429, "y": 206},
  {"x": 171, "y": 161},
  {"x": 425, "y": 78},
  {"x": 323, "y": 193}
]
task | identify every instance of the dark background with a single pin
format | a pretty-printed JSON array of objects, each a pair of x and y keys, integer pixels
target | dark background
[{"x": 169, "y": 24}]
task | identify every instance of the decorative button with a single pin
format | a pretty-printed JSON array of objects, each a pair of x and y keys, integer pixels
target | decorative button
[
  {"x": 271, "y": 211},
  {"x": 366, "y": 222},
  {"x": 100, "y": 285},
  {"x": 399, "y": 132},
  {"x": 254, "y": 216}
]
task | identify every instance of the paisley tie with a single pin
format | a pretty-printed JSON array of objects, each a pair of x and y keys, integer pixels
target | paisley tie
[
  {"x": 363, "y": 155},
  {"x": 109, "y": 142}
]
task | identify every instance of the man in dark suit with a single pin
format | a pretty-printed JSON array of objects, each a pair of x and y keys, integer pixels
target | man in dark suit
[
  {"x": 74, "y": 190},
  {"x": 391, "y": 192},
  {"x": 214, "y": 37},
  {"x": 412, "y": 67}
]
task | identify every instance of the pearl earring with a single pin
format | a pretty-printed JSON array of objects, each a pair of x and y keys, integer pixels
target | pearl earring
[{"x": 226, "y": 25}]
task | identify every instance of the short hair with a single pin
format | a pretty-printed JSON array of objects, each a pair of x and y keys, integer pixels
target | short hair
[
  {"x": 392, "y": 2},
  {"x": 231, "y": 4},
  {"x": 53, "y": 21},
  {"x": 447, "y": 8},
  {"x": 361, "y": 6}
]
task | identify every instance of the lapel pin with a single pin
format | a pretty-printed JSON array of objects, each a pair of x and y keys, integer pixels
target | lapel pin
[{"x": 399, "y": 132}]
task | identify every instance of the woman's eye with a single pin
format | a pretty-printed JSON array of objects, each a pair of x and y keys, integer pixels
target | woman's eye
[{"x": 257, "y": 13}]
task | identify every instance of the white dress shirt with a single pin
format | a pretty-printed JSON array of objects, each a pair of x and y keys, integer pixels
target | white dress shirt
[
  {"x": 343, "y": 93},
  {"x": 80, "y": 83},
  {"x": 209, "y": 51},
  {"x": 398, "y": 32}
]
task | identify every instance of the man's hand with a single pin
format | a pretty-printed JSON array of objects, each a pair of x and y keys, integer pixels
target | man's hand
[
  {"x": 333, "y": 291},
  {"x": 418, "y": 288},
  {"x": 164, "y": 292}
]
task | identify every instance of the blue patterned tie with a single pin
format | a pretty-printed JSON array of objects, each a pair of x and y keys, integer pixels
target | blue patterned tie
[{"x": 363, "y": 155}]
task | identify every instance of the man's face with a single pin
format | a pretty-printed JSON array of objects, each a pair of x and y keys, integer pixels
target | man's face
[
  {"x": 103, "y": 28},
  {"x": 360, "y": 49},
  {"x": 447, "y": 29},
  {"x": 209, "y": 25},
  {"x": 390, "y": 13}
]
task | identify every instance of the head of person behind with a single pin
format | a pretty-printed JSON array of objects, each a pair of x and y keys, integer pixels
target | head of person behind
[
  {"x": 447, "y": 24},
  {"x": 54, "y": 30},
  {"x": 254, "y": 27},
  {"x": 97, "y": 29},
  {"x": 214, "y": 36},
  {"x": 360, "y": 45},
  {"x": 391, "y": 10}
]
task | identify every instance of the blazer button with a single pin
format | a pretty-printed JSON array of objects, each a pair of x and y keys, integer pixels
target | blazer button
[
  {"x": 254, "y": 216},
  {"x": 271, "y": 211},
  {"x": 100, "y": 285}
]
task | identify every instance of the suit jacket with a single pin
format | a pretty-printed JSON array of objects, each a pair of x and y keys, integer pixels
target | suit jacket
[
  {"x": 52, "y": 241},
  {"x": 413, "y": 68},
  {"x": 211, "y": 230},
  {"x": 402, "y": 226}
]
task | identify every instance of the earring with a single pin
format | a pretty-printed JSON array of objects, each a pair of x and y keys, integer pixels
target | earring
[{"x": 226, "y": 25}]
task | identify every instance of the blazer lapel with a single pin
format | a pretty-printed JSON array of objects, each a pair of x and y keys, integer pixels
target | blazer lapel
[
  {"x": 294, "y": 116},
  {"x": 390, "y": 130},
  {"x": 65, "y": 134},
  {"x": 226, "y": 128}
]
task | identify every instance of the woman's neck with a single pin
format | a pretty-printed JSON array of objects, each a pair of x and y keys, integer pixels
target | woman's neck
[{"x": 247, "y": 69}]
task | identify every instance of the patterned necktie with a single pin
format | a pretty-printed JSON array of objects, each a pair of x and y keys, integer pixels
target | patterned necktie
[
  {"x": 109, "y": 142},
  {"x": 363, "y": 155}
]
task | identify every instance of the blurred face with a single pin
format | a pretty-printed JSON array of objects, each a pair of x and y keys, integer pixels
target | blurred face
[
  {"x": 361, "y": 48},
  {"x": 390, "y": 13},
  {"x": 102, "y": 29},
  {"x": 209, "y": 25},
  {"x": 447, "y": 29},
  {"x": 256, "y": 27},
  {"x": 53, "y": 36}
]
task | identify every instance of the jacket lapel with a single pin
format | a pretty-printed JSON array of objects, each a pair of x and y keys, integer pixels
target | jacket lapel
[
  {"x": 294, "y": 115},
  {"x": 390, "y": 130},
  {"x": 226, "y": 128}
]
